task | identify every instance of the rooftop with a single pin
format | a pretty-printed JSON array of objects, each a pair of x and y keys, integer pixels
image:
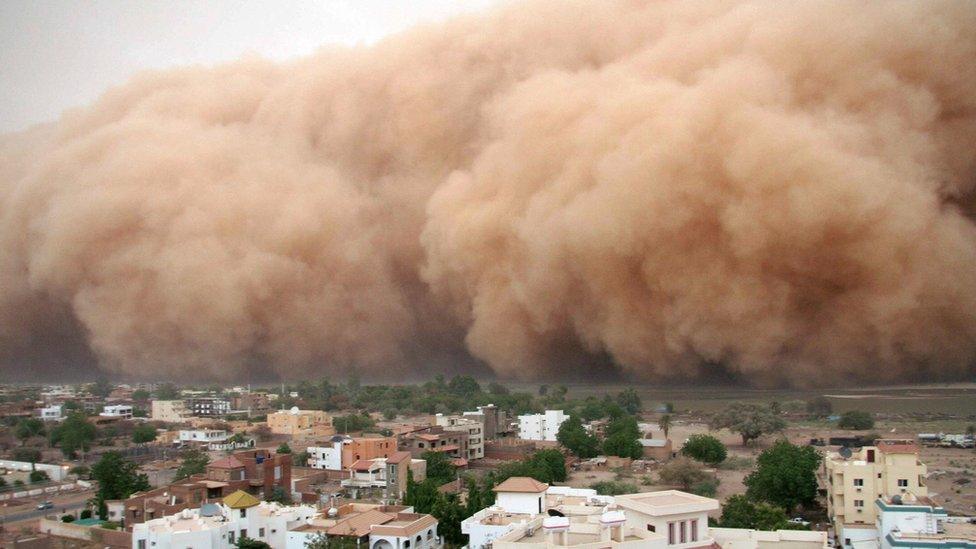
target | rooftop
[{"x": 522, "y": 484}]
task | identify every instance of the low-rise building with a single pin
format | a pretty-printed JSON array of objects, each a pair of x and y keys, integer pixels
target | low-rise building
[
  {"x": 474, "y": 427},
  {"x": 342, "y": 451},
  {"x": 541, "y": 426},
  {"x": 437, "y": 439},
  {"x": 387, "y": 474},
  {"x": 301, "y": 424},
  {"x": 495, "y": 421},
  {"x": 855, "y": 479},
  {"x": 202, "y": 437},
  {"x": 121, "y": 411},
  {"x": 909, "y": 521},
  {"x": 373, "y": 526},
  {"x": 50, "y": 413},
  {"x": 170, "y": 411},
  {"x": 658, "y": 449},
  {"x": 201, "y": 406}
]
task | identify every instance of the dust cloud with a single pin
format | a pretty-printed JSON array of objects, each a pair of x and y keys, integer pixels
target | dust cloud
[{"x": 777, "y": 191}]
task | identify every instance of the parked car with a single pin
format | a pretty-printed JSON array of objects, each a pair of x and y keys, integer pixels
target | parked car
[
  {"x": 800, "y": 521},
  {"x": 45, "y": 505}
]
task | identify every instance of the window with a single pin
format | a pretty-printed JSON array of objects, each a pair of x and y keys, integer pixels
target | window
[
  {"x": 141, "y": 544},
  {"x": 230, "y": 537},
  {"x": 406, "y": 544},
  {"x": 420, "y": 445},
  {"x": 260, "y": 532},
  {"x": 684, "y": 532},
  {"x": 243, "y": 513},
  {"x": 858, "y": 503},
  {"x": 651, "y": 528},
  {"x": 879, "y": 475},
  {"x": 670, "y": 533},
  {"x": 903, "y": 483},
  {"x": 243, "y": 532},
  {"x": 694, "y": 530},
  {"x": 859, "y": 482}
]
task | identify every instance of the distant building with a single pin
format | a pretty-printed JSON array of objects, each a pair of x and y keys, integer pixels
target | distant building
[
  {"x": 494, "y": 420},
  {"x": 123, "y": 411},
  {"x": 301, "y": 423},
  {"x": 387, "y": 474},
  {"x": 656, "y": 448},
  {"x": 170, "y": 411},
  {"x": 856, "y": 478},
  {"x": 369, "y": 525},
  {"x": 208, "y": 406},
  {"x": 342, "y": 451},
  {"x": 50, "y": 413},
  {"x": 541, "y": 426},
  {"x": 437, "y": 439},
  {"x": 474, "y": 427},
  {"x": 908, "y": 521}
]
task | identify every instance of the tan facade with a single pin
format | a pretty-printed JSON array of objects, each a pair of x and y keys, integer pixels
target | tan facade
[
  {"x": 890, "y": 468},
  {"x": 170, "y": 411},
  {"x": 367, "y": 448},
  {"x": 301, "y": 423}
]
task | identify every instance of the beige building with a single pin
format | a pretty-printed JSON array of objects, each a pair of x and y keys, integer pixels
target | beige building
[
  {"x": 301, "y": 423},
  {"x": 170, "y": 411},
  {"x": 474, "y": 427},
  {"x": 855, "y": 479}
]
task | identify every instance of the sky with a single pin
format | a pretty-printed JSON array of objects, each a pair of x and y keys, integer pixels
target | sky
[{"x": 58, "y": 54}]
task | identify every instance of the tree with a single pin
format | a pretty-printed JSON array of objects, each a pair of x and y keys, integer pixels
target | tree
[
  {"x": 283, "y": 448},
  {"x": 278, "y": 495},
  {"x": 29, "y": 428},
  {"x": 450, "y": 513},
  {"x": 73, "y": 435},
  {"x": 705, "y": 448},
  {"x": 856, "y": 420},
  {"x": 819, "y": 406},
  {"x": 739, "y": 511},
  {"x": 439, "y": 467},
  {"x": 614, "y": 488},
  {"x": 683, "y": 472},
  {"x": 248, "y": 543},
  {"x": 750, "y": 421},
  {"x": 167, "y": 391},
  {"x": 30, "y": 455},
  {"x": 629, "y": 400},
  {"x": 622, "y": 438},
  {"x": 322, "y": 541},
  {"x": 463, "y": 386},
  {"x": 543, "y": 389},
  {"x": 785, "y": 475},
  {"x": 194, "y": 462},
  {"x": 80, "y": 471},
  {"x": 140, "y": 395},
  {"x": 101, "y": 388},
  {"x": 665, "y": 424},
  {"x": 389, "y": 414},
  {"x": 118, "y": 478},
  {"x": 38, "y": 476},
  {"x": 300, "y": 459},
  {"x": 574, "y": 437},
  {"x": 262, "y": 433},
  {"x": 592, "y": 409},
  {"x": 421, "y": 495},
  {"x": 143, "y": 433}
]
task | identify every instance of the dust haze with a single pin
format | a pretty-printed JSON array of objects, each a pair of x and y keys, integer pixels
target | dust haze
[{"x": 773, "y": 191}]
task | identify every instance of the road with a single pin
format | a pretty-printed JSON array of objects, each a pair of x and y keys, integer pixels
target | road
[{"x": 68, "y": 502}]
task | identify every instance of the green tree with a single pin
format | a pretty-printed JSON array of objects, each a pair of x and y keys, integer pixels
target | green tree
[
  {"x": 193, "y": 462},
  {"x": 785, "y": 475},
  {"x": 73, "y": 435},
  {"x": 592, "y": 409},
  {"x": 29, "y": 428},
  {"x": 705, "y": 448},
  {"x": 101, "y": 388},
  {"x": 143, "y": 433},
  {"x": 421, "y": 495},
  {"x": 38, "y": 476},
  {"x": 614, "y": 488},
  {"x": 750, "y": 421},
  {"x": 118, "y": 478},
  {"x": 574, "y": 437},
  {"x": 664, "y": 423},
  {"x": 683, "y": 472},
  {"x": 630, "y": 401},
  {"x": 322, "y": 541},
  {"x": 439, "y": 467},
  {"x": 463, "y": 386},
  {"x": 248, "y": 543},
  {"x": 278, "y": 495},
  {"x": 30, "y": 455},
  {"x": 739, "y": 511},
  {"x": 450, "y": 513},
  {"x": 622, "y": 438},
  {"x": 167, "y": 391},
  {"x": 856, "y": 420},
  {"x": 141, "y": 395},
  {"x": 283, "y": 448},
  {"x": 819, "y": 406}
]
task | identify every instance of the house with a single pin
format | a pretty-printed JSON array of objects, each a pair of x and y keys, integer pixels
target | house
[
  {"x": 373, "y": 526},
  {"x": 387, "y": 474},
  {"x": 170, "y": 411},
  {"x": 541, "y": 426},
  {"x": 342, "y": 451},
  {"x": 121, "y": 411},
  {"x": 495, "y": 421},
  {"x": 50, "y": 413},
  {"x": 465, "y": 424},
  {"x": 656, "y": 448},
  {"x": 437, "y": 439},
  {"x": 301, "y": 424},
  {"x": 855, "y": 479},
  {"x": 220, "y": 525}
]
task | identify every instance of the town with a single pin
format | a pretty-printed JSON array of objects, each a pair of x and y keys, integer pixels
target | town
[{"x": 457, "y": 463}]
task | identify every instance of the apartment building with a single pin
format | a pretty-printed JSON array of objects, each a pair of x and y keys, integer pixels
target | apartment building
[
  {"x": 437, "y": 439},
  {"x": 301, "y": 424},
  {"x": 387, "y": 474},
  {"x": 541, "y": 426},
  {"x": 342, "y": 451},
  {"x": 855, "y": 478},
  {"x": 474, "y": 427},
  {"x": 50, "y": 413},
  {"x": 170, "y": 411},
  {"x": 121, "y": 411},
  {"x": 495, "y": 421},
  {"x": 208, "y": 406}
]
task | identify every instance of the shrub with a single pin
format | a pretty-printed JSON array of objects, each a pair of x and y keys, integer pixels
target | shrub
[
  {"x": 856, "y": 420},
  {"x": 614, "y": 488},
  {"x": 705, "y": 448},
  {"x": 67, "y": 518}
]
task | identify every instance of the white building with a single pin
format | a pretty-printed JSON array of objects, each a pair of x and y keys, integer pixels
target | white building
[
  {"x": 51, "y": 413},
  {"x": 54, "y": 472},
  {"x": 203, "y": 436},
  {"x": 474, "y": 427},
  {"x": 219, "y": 526},
  {"x": 171, "y": 411},
  {"x": 541, "y": 426},
  {"x": 907, "y": 521},
  {"x": 371, "y": 525},
  {"x": 117, "y": 410},
  {"x": 328, "y": 457}
]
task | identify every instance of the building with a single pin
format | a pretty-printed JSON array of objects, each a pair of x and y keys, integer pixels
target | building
[
  {"x": 541, "y": 426},
  {"x": 342, "y": 451},
  {"x": 677, "y": 518},
  {"x": 203, "y": 437},
  {"x": 170, "y": 411},
  {"x": 658, "y": 449},
  {"x": 854, "y": 479},
  {"x": 474, "y": 427},
  {"x": 220, "y": 525},
  {"x": 386, "y": 474},
  {"x": 50, "y": 413},
  {"x": 208, "y": 406},
  {"x": 494, "y": 420},
  {"x": 437, "y": 439},
  {"x": 908, "y": 521},
  {"x": 301, "y": 423},
  {"x": 373, "y": 526},
  {"x": 742, "y": 538},
  {"x": 54, "y": 472},
  {"x": 122, "y": 411}
]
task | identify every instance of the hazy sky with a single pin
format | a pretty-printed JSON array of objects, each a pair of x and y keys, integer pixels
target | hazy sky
[{"x": 57, "y": 54}]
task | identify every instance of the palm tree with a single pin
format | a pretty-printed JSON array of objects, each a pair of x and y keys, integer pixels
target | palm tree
[{"x": 665, "y": 424}]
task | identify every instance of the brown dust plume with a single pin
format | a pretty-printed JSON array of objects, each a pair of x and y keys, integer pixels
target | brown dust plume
[{"x": 777, "y": 191}]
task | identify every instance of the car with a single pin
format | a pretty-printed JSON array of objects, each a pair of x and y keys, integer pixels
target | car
[
  {"x": 45, "y": 505},
  {"x": 800, "y": 521}
]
